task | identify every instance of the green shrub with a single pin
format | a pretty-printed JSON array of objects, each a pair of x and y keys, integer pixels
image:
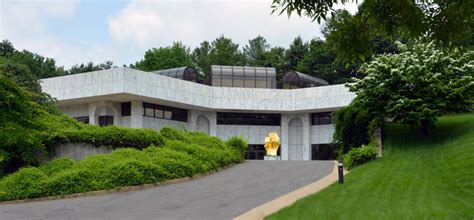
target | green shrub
[
  {"x": 238, "y": 143},
  {"x": 358, "y": 156},
  {"x": 67, "y": 182},
  {"x": 173, "y": 134},
  {"x": 22, "y": 184},
  {"x": 108, "y": 136},
  {"x": 54, "y": 166},
  {"x": 177, "y": 163},
  {"x": 132, "y": 172},
  {"x": 183, "y": 154}
]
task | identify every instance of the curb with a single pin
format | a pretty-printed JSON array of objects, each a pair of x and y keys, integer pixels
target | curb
[
  {"x": 286, "y": 200},
  {"x": 116, "y": 190}
]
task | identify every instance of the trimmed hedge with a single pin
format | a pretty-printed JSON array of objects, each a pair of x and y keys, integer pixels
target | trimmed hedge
[
  {"x": 360, "y": 155},
  {"x": 183, "y": 154},
  {"x": 113, "y": 136}
]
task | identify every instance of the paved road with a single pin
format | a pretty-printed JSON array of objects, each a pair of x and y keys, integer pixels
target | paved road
[{"x": 222, "y": 195}]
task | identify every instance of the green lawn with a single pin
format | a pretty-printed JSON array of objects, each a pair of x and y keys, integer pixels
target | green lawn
[{"x": 418, "y": 178}]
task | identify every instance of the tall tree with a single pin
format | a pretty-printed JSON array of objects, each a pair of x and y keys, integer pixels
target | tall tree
[
  {"x": 320, "y": 62},
  {"x": 295, "y": 53},
  {"x": 25, "y": 67},
  {"x": 6, "y": 47},
  {"x": 256, "y": 51},
  {"x": 225, "y": 52},
  {"x": 82, "y": 68},
  {"x": 201, "y": 58},
  {"x": 178, "y": 55},
  {"x": 276, "y": 58}
]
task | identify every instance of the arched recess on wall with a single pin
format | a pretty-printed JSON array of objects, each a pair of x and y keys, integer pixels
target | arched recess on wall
[
  {"x": 202, "y": 124},
  {"x": 295, "y": 139}
]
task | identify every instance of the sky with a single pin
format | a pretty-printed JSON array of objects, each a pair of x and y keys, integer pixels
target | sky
[{"x": 80, "y": 31}]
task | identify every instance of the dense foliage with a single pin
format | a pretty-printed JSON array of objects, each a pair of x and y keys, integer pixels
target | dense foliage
[
  {"x": 448, "y": 22},
  {"x": 183, "y": 154},
  {"x": 29, "y": 129},
  {"x": 177, "y": 55},
  {"x": 417, "y": 85},
  {"x": 354, "y": 128}
]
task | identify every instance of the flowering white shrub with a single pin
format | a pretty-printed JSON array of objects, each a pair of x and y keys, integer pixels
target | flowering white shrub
[{"x": 417, "y": 85}]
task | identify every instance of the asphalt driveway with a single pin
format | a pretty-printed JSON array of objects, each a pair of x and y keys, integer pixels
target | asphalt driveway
[{"x": 222, "y": 195}]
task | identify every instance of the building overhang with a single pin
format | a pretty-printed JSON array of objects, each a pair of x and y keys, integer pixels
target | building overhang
[{"x": 124, "y": 84}]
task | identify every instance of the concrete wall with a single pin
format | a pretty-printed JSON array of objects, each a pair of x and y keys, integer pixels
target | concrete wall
[
  {"x": 78, "y": 151},
  {"x": 157, "y": 123}
]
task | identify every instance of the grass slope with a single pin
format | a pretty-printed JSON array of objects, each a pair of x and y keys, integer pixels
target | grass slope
[{"x": 418, "y": 178}]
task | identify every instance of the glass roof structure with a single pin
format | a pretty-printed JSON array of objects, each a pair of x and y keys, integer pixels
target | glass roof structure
[
  {"x": 243, "y": 76},
  {"x": 184, "y": 73},
  {"x": 295, "y": 80}
]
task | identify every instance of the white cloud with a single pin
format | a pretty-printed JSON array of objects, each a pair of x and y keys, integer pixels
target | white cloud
[
  {"x": 23, "y": 22},
  {"x": 145, "y": 23}
]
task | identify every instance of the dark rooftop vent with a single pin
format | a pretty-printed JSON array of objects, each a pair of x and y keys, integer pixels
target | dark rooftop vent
[{"x": 295, "y": 80}]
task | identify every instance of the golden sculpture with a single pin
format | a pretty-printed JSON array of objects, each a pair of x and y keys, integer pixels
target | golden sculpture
[{"x": 272, "y": 142}]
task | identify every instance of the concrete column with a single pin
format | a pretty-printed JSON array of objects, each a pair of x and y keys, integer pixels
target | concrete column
[
  {"x": 136, "y": 119},
  {"x": 306, "y": 136},
  {"x": 212, "y": 116},
  {"x": 284, "y": 136},
  {"x": 93, "y": 119}
]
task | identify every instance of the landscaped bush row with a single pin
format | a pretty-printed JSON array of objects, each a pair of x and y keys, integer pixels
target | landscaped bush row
[
  {"x": 106, "y": 136},
  {"x": 183, "y": 154},
  {"x": 359, "y": 155}
]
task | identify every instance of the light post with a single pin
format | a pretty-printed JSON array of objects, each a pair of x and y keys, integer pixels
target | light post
[{"x": 341, "y": 172}]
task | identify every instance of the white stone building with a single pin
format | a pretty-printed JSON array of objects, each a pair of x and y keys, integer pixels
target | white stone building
[{"x": 240, "y": 101}]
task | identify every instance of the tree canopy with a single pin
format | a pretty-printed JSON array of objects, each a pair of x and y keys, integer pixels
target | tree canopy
[
  {"x": 446, "y": 22},
  {"x": 177, "y": 55},
  {"x": 417, "y": 85}
]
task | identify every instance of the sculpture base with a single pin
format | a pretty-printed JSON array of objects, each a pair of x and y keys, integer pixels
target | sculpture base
[{"x": 271, "y": 158}]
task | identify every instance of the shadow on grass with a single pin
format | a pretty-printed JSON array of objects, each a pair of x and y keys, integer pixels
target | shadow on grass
[{"x": 402, "y": 136}]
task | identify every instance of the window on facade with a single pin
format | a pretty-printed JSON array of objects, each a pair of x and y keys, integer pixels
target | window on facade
[
  {"x": 168, "y": 115},
  {"x": 106, "y": 120},
  {"x": 323, "y": 152},
  {"x": 229, "y": 118},
  {"x": 165, "y": 112},
  {"x": 83, "y": 119},
  {"x": 323, "y": 118},
  {"x": 159, "y": 113},
  {"x": 126, "y": 108},
  {"x": 149, "y": 112}
]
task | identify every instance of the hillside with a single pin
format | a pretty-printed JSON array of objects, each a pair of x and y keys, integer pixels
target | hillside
[{"x": 418, "y": 178}]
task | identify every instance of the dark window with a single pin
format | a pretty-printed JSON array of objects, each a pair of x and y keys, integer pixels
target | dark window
[
  {"x": 106, "y": 120},
  {"x": 323, "y": 152},
  {"x": 323, "y": 118},
  {"x": 229, "y": 118},
  {"x": 165, "y": 112},
  {"x": 257, "y": 152},
  {"x": 84, "y": 119},
  {"x": 126, "y": 108}
]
